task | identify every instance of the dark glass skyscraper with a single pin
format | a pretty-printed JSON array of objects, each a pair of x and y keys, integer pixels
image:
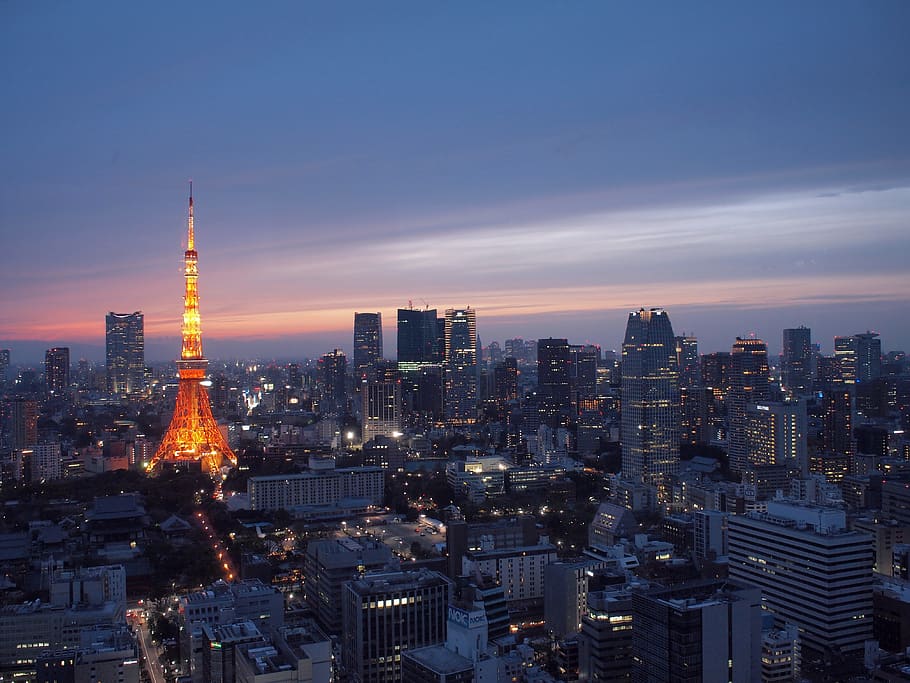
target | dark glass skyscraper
[
  {"x": 650, "y": 397},
  {"x": 420, "y": 350},
  {"x": 367, "y": 343},
  {"x": 687, "y": 360},
  {"x": 125, "y": 353},
  {"x": 749, "y": 383},
  {"x": 332, "y": 368},
  {"x": 796, "y": 371},
  {"x": 57, "y": 370},
  {"x": 553, "y": 380},
  {"x": 584, "y": 359},
  {"x": 4, "y": 365},
  {"x": 417, "y": 337}
]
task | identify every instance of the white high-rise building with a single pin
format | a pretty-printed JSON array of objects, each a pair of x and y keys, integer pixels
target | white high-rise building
[{"x": 811, "y": 570}]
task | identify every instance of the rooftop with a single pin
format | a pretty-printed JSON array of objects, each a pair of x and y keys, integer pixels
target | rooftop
[{"x": 440, "y": 660}]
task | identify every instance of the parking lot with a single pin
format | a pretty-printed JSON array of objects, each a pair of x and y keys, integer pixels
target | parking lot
[{"x": 397, "y": 535}]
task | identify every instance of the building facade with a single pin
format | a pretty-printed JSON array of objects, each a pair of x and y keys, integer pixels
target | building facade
[
  {"x": 704, "y": 631},
  {"x": 749, "y": 383},
  {"x": 57, "y": 371},
  {"x": 797, "y": 370},
  {"x": 329, "y": 487},
  {"x": 461, "y": 365},
  {"x": 367, "y": 343},
  {"x": 811, "y": 571},
  {"x": 650, "y": 398},
  {"x": 387, "y": 613},
  {"x": 859, "y": 357},
  {"x": 124, "y": 352}
]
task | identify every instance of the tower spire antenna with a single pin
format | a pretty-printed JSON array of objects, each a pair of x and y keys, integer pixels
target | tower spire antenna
[{"x": 191, "y": 236}]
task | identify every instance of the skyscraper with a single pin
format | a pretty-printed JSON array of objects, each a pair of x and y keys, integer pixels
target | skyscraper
[
  {"x": 4, "y": 365},
  {"x": 24, "y": 423},
  {"x": 418, "y": 341},
  {"x": 650, "y": 397},
  {"x": 796, "y": 371},
  {"x": 57, "y": 370},
  {"x": 584, "y": 360},
  {"x": 687, "y": 360},
  {"x": 859, "y": 357},
  {"x": 505, "y": 382},
  {"x": 381, "y": 404},
  {"x": 776, "y": 434},
  {"x": 367, "y": 343},
  {"x": 749, "y": 383},
  {"x": 553, "y": 380},
  {"x": 837, "y": 421},
  {"x": 193, "y": 435},
  {"x": 420, "y": 351},
  {"x": 332, "y": 369},
  {"x": 461, "y": 365},
  {"x": 125, "y": 353}
]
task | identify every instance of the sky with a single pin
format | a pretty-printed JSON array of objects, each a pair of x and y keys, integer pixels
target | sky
[{"x": 554, "y": 165}]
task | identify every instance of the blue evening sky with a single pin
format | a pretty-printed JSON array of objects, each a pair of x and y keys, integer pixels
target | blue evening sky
[{"x": 552, "y": 164}]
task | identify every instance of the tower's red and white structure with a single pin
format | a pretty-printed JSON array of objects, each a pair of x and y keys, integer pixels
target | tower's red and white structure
[{"x": 193, "y": 435}]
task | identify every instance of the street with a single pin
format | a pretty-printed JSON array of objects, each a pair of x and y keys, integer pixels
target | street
[{"x": 149, "y": 652}]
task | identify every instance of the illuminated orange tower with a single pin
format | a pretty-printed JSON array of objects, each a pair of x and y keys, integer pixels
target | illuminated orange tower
[{"x": 193, "y": 434}]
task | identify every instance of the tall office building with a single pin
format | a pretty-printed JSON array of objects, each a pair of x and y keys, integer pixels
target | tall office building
[
  {"x": 859, "y": 357},
  {"x": 57, "y": 370},
  {"x": 837, "y": 421},
  {"x": 367, "y": 343},
  {"x": 583, "y": 362},
  {"x": 553, "y": 381},
  {"x": 687, "y": 360},
  {"x": 125, "y": 353},
  {"x": 387, "y": 613},
  {"x": 381, "y": 405},
  {"x": 24, "y": 423},
  {"x": 329, "y": 564},
  {"x": 776, "y": 434},
  {"x": 461, "y": 365},
  {"x": 605, "y": 640},
  {"x": 4, "y": 365},
  {"x": 650, "y": 397},
  {"x": 749, "y": 383},
  {"x": 420, "y": 351},
  {"x": 418, "y": 338},
  {"x": 715, "y": 373},
  {"x": 811, "y": 571},
  {"x": 331, "y": 371},
  {"x": 796, "y": 360},
  {"x": 505, "y": 383},
  {"x": 707, "y": 631}
]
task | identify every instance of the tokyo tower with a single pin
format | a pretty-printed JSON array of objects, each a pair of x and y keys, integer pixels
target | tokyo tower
[{"x": 193, "y": 435}]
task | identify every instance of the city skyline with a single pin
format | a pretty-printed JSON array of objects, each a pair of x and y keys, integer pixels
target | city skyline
[{"x": 552, "y": 167}]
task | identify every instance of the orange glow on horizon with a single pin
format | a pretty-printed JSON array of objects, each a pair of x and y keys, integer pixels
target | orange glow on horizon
[{"x": 249, "y": 321}]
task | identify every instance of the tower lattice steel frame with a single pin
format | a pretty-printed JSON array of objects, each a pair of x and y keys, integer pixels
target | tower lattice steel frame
[{"x": 193, "y": 435}]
